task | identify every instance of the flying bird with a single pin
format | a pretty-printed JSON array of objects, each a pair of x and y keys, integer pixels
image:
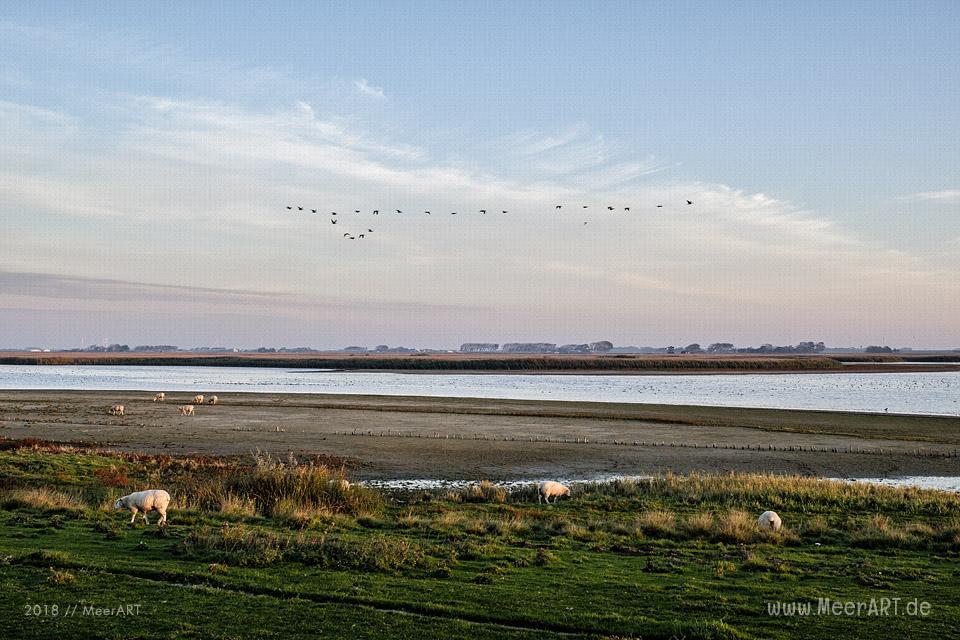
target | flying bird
[
  {"x": 427, "y": 212},
  {"x": 333, "y": 221},
  {"x": 314, "y": 210},
  {"x": 300, "y": 208},
  {"x": 585, "y": 206},
  {"x": 483, "y": 211},
  {"x": 376, "y": 212},
  {"x": 503, "y": 212},
  {"x": 346, "y": 235},
  {"x": 356, "y": 210},
  {"x": 609, "y": 208},
  {"x": 362, "y": 236},
  {"x": 559, "y": 206},
  {"x": 333, "y": 213},
  {"x": 659, "y": 206},
  {"x": 453, "y": 213},
  {"x": 688, "y": 202},
  {"x": 398, "y": 211},
  {"x": 626, "y": 208},
  {"x": 369, "y": 230},
  {"x": 290, "y": 208}
]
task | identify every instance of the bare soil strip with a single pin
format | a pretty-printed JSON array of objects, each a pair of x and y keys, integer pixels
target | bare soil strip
[{"x": 465, "y": 438}]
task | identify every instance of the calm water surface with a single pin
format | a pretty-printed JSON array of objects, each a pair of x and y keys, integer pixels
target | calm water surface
[{"x": 896, "y": 392}]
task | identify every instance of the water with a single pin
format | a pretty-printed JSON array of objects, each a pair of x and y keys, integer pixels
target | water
[
  {"x": 951, "y": 484},
  {"x": 931, "y": 393}
]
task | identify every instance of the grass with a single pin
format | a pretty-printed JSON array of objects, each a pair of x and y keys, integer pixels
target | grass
[{"x": 667, "y": 557}]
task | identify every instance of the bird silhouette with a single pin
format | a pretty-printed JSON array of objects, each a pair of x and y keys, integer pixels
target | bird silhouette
[
  {"x": 356, "y": 210},
  {"x": 609, "y": 208},
  {"x": 300, "y": 208},
  {"x": 586, "y": 206},
  {"x": 503, "y": 211},
  {"x": 346, "y": 235},
  {"x": 290, "y": 208},
  {"x": 688, "y": 202},
  {"x": 559, "y": 206},
  {"x": 659, "y": 206},
  {"x": 453, "y": 213},
  {"x": 314, "y": 210},
  {"x": 398, "y": 211},
  {"x": 333, "y": 213},
  {"x": 584, "y": 223},
  {"x": 376, "y": 212},
  {"x": 362, "y": 236},
  {"x": 483, "y": 211},
  {"x": 626, "y": 208},
  {"x": 369, "y": 230},
  {"x": 427, "y": 212},
  {"x": 333, "y": 221}
]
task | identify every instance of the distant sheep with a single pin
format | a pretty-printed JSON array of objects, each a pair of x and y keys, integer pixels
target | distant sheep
[
  {"x": 160, "y": 397},
  {"x": 213, "y": 400},
  {"x": 198, "y": 399},
  {"x": 770, "y": 521},
  {"x": 145, "y": 501},
  {"x": 550, "y": 489},
  {"x": 116, "y": 410},
  {"x": 185, "y": 410}
]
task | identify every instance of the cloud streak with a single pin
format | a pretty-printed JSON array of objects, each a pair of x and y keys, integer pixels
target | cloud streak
[{"x": 366, "y": 89}]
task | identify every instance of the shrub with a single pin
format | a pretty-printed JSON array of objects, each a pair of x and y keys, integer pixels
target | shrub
[
  {"x": 659, "y": 524},
  {"x": 237, "y": 506},
  {"x": 58, "y": 577},
  {"x": 485, "y": 491},
  {"x": 112, "y": 476},
  {"x": 879, "y": 532}
]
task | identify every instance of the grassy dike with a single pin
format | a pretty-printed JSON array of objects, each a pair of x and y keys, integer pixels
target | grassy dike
[{"x": 261, "y": 548}]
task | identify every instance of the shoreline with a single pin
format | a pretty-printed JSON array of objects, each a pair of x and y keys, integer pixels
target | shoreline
[{"x": 411, "y": 437}]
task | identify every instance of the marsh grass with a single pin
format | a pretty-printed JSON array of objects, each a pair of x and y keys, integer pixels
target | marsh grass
[
  {"x": 244, "y": 546},
  {"x": 43, "y": 498}
]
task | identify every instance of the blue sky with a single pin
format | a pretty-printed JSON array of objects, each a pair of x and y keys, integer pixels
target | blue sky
[{"x": 819, "y": 140}]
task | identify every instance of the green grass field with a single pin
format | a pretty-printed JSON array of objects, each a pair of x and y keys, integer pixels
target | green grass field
[{"x": 259, "y": 548}]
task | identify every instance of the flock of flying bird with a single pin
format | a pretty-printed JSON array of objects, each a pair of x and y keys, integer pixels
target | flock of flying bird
[{"x": 376, "y": 212}]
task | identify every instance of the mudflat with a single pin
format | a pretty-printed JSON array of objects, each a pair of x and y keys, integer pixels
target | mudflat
[{"x": 465, "y": 438}]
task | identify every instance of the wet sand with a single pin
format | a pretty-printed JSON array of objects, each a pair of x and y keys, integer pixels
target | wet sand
[{"x": 462, "y": 438}]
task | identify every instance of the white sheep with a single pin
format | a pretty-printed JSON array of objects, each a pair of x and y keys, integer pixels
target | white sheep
[
  {"x": 769, "y": 520},
  {"x": 186, "y": 410},
  {"x": 198, "y": 399},
  {"x": 145, "y": 501},
  {"x": 213, "y": 400},
  {"x": 160, "y": 397},
  {"x": 116, "y": 410},
  {"x": 546, "y": 490}
]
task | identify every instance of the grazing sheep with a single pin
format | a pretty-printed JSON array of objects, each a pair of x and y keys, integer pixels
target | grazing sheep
[
  {"x": 116, "y": 410},
  {"x": 769, "y": 520},
  {"x": 160, "y": 397},
  {"x": 185, "y": 410},
  {"x": 144, "y": 502},
  {"x": 213, "y": 400},
  {"x": 546, "y": 490},
  {"x": 198, "y": 399}
]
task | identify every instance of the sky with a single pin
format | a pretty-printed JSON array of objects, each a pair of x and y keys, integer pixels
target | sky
[{"x": 148, "y": 156}]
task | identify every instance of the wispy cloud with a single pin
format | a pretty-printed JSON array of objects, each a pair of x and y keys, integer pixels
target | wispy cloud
[
  {"x": 947, "y": 195},
  {"x": 366, "y": 89},
  {"x": 194, "y": 191}
]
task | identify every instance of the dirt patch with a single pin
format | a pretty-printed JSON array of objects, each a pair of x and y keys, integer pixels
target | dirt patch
[{"x": 465, "y": 438}]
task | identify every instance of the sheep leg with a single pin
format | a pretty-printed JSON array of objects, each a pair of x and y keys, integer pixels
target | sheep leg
[
  {"x": 134, "y": 516},
  {"x": 539, "y": 498},
  {"x": 145, "y": 518}
]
